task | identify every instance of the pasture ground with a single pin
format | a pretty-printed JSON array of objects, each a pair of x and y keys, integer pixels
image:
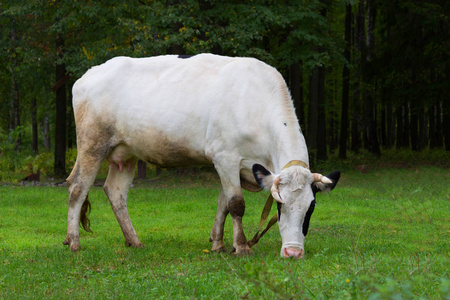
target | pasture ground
[{"x": 381, "y": 234}]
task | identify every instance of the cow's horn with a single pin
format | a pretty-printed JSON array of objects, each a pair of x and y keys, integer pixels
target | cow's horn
[
  {"x": 274, "y": 190},
  {"x": 320, "y": 178}
]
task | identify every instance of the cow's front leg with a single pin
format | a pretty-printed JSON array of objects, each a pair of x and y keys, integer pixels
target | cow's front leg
[
  {"x": 116, "y": 188},
  {"x": 236, "y": 206},
  {"x": 231, "y": 194},
  {"x": 217, "y": 230}
]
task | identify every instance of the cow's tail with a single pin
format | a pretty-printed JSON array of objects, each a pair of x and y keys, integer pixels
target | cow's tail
[{"x": 85, "y": 210}]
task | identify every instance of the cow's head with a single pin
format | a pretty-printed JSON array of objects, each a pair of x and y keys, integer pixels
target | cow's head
[{"x": 294, "y": 189}]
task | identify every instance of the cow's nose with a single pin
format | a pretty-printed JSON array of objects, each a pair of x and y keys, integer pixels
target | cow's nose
[{"x": 293, "y": 252}]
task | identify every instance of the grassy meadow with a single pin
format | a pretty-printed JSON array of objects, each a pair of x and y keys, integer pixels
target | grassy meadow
[{"x": 383, "y": 233}]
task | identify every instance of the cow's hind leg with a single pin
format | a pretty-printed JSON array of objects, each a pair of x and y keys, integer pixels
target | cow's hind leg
[
  {"x": 116, "y": 188},
  {"x": 217, "y": 230},
  {"x": 79, "y": 182}
]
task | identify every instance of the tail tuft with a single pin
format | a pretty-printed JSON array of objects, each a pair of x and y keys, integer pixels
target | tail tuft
[{"x": 85, "y": 210}]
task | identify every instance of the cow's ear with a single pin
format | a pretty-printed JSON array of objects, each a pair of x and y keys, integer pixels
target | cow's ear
[
  {"x": 263, "y": 176},
  {"x": 322, "y": 187}
]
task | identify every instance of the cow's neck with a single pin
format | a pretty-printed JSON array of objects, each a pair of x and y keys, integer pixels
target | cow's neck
[
  {"x": 289, "y": 143},
  {"x": 290, "y": 150}
]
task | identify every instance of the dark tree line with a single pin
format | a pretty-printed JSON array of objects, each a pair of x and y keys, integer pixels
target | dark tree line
[{"x": 364, "y": 74}]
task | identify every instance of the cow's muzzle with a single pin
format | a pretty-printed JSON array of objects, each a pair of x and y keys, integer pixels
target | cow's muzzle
[{"x": 288, "y": 252}]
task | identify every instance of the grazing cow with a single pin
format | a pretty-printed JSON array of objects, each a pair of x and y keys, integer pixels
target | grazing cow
[{"x": 171, "y": 111}]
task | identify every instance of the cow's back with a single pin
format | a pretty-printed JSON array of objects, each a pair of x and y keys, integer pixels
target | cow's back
[{"x": 170, "y": 80}]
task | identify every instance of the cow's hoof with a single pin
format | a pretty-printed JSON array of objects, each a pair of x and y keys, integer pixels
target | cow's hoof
[
  {"x": 137, "y": 244},
  {"x": 75, "y": 248},
  {"x": 73, "y": 245},
  {"x": 242, "y": 251},
  {"x": 219, "y": 250},
  {"x": 218, "y": 246}
]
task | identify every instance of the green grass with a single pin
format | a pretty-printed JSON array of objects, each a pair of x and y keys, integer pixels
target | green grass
[{"x": 380, "y": 235}]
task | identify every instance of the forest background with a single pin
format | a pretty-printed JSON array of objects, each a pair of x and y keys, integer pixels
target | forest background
[{"x": 364, "y": 75}]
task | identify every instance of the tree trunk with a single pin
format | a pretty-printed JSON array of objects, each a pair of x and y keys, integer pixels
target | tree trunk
[
  {"x": 446, "y": 110},
  {"x": 402, "y": 127},
  {"x": 359, "y": 44},
  {"x": 295, "y": 83},
  {"x": 34, "y": 126},
  {"x": 60, "y": 123},
  {"x": 390, "y": 127},
  {"x": 15, "y": 107},
  {"x": 414, "y": 130},
  {"x": 15, "y": 111},
  {"x": 45, "y": 129},
  {"x": 345, "y": 83},
  {"x": 406, "y": 124},
  {"x": 399, "y": 135},
  {"x": 321, "y": 117},
  {"x": 370, "y": 109},
  {"x": 316, "y": 137},
  {"x": 446, "y": 123},
  {"x": 370, "y": 132},
  {"x": 432, "y": 126},
  {"x": 158, "y": 171},
  {"x": 71, "y": 134},
  {"x": 423, "y": 129},
  {"x": 356, "y": 120},
  {"x": 435, "y": 126},
  {"x": 313, "y": 109},
  {"x": 383, "y": 135},
  {"x": 142, "y": 169},
  {"x": 332, "y": 118},
  {"x": 321, "y": 120},
  {"x": 439, "y": 130}
]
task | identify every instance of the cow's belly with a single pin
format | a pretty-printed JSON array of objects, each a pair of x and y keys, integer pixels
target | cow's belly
[
  {"x": 160, "y": 152},
  {"x": 172, "y": 155}
]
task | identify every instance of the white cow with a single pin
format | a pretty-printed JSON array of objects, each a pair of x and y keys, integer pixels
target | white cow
[{"x": 233, "y": 113}]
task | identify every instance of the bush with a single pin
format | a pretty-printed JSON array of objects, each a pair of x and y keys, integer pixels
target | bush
[
  {"x": 71, "y": 157},
  {"x": 42, "y": 162}
]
